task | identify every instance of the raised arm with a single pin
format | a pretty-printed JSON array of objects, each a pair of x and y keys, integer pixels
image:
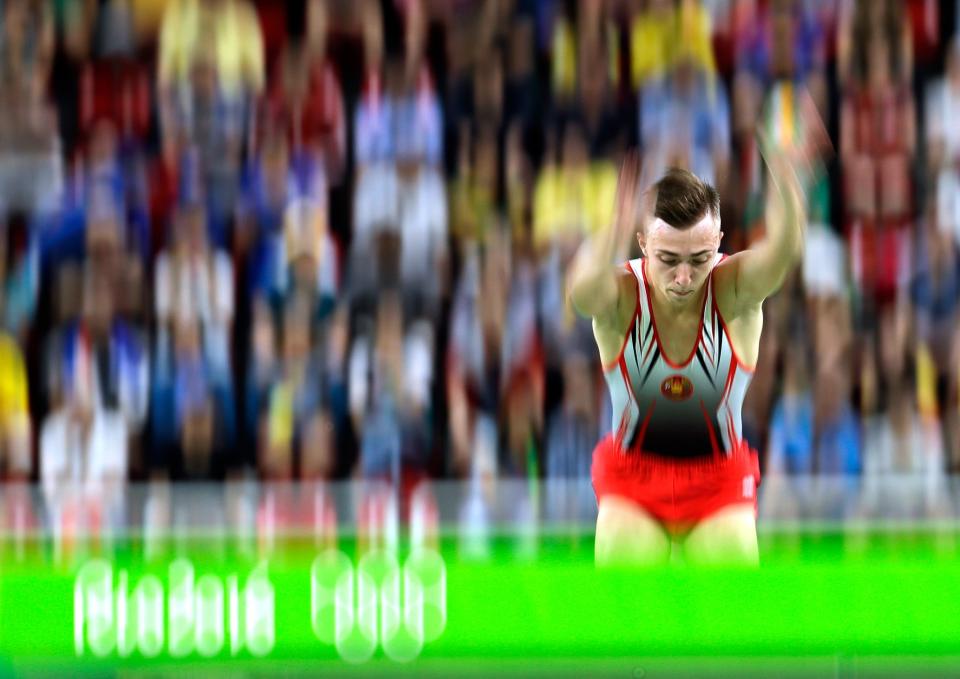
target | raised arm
[
  {"x": 758, "y": 272},
  {"x": 595, "y": 284}
]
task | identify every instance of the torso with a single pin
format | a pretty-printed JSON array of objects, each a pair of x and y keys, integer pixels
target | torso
[
  {"x": 743, "y": 326},
  {"x": 677, "y": 381}
]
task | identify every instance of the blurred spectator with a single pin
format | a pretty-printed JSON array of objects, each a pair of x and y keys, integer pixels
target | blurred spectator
[
  {"x": 27, "y": 38},
  {"x": 228, "y": 28},
  {"x": 522, "y": 355},
  {"x": 685, "y": 122},
  {"x": 836, "y": 429},
  {"x": 522, "y": 91},
  {"x": 399, "y": 191},
  {"x": 474, "y": 333},
  {"x": 210, "y": 70},
  {"x": 284, "y": 221},
  {"x": 573, "y": 197},
  {"x": 80, "y": 445},
  {"x": 935, "y": 291},
  {"x": 376, "y": 190},
  {"x": 295, "y": 404},
  {"x": 16, "y": 459},
  {"x": 20, "y": 276},
  {"x": 569, "y": 429},
  {"x": 494, "y": 364},
  {"x": 424, "y": 233},
  {"x": 117, "y": 93},
  {"x": 861, "y": 23},
  {"x": 271, "y": 181},
  {"x": 418, "y": 117},
  {"x": 31, "y": 168},
  {"x": 518, "y": 186},
  {"x": 877, "y": 147},
  {"x": 194, "y": 282},
  {"x": 897, "y": 439},
  {"x": 295, "y": 429},
  {"x": 473, "y": 191},
  {"x": 943, "y": 142},
  {"x": 108, "y": 179},
  {"x": 67, "y": 283},
  {"x": 389, "y": 386},
  {"x": 576, "y": 422},
  {"x": 309, "y": 258},
  {"x": 98, "y": 365},
  {"x": 99, "y": 362},
  {"x": 262, "y": 371},
  {"x": 585, "y": 51},
  {"x": 422, "y": 209},
  {"x": 563, "y": 54},
  {"x": 783, "y": 38},
  {"x": 297, "y": 437},
  {"x": 824, "y": 262},
  {"x": 607, "y": 127},
  {"x": 113, "y": 30},
  {"x": 306, "y": 97},
  {"x": 813, "y": 429},
  {"x": 193, "y": 406},
  {"x": 790, "y": 449},
  {"x": 664, "y": 31},
  {"x": 194, "y": 306},
  {"x": 952, "y": 407}
]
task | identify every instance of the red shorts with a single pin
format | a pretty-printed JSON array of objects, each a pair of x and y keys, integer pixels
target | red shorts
[{"x": 677, "y": 492}]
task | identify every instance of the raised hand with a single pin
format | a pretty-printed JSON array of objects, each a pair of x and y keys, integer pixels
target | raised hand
[
  {"x": 592, "y": 281},
  {"x": 793, "y": 161},
  {"x": 627, "y": 215}
]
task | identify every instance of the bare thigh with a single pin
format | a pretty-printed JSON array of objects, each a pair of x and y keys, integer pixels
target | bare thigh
[
  {"x": 627, "y": 535},
  {"x": 727, "y": 538}
]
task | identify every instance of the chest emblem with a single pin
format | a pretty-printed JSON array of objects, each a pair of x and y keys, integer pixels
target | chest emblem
[{"x": 676, "y": 388}]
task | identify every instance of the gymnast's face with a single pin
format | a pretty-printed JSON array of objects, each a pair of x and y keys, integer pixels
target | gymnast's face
[{"x": 679, "y": 260}]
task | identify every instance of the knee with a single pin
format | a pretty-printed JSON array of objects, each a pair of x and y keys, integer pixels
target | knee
[
  {"x": 724, "y": 541},
  {"x": 741, "y": 549},
  {"x": 628, "y": 536}
]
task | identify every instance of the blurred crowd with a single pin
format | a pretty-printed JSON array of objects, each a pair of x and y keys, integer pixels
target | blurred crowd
[{"x": 314, "y": 239}]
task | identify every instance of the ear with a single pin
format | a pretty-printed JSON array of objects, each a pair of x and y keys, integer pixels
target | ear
[{"x": 642, "y": 241}]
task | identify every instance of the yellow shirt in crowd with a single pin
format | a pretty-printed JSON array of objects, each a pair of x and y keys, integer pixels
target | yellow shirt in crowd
[
  {"x": 13, "y": 383},
  {"x": 573, "y": 204},
  {"x": 657, "y": 40},
  {"x": 229, "y": 28}
]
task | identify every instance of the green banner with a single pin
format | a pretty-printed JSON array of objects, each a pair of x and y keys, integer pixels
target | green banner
[{"x": 388, "y": 610}]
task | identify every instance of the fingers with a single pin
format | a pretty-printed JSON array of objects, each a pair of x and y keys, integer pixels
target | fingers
[
  {"x": 809, "y": 145},
  {"x": 816, "y": 138},
  {"x": 629, "y": 178},
  {"x": 628, "y": 182},
  {"x": 628, "y": 187}
]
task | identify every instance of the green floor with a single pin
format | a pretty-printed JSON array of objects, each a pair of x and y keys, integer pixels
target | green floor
[{"x": 857, "y": 603}]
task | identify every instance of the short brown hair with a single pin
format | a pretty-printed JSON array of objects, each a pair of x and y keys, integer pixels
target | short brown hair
[{"x": 683, "y": 199}]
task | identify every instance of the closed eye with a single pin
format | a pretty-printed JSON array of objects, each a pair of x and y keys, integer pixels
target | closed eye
[{"x": 700, "y": 261}]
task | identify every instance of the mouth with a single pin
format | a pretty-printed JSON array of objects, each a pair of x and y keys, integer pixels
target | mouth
[{"x": 682, "y": 293}]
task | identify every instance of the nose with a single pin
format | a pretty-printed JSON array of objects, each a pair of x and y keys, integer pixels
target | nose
[{"x": 683, "y": 275}]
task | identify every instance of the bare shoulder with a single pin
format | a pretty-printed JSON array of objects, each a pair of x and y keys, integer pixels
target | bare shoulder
[
  {"x": 609, "y": 329},
  {"x": 725, "y": 289},
  {"x": 744, "y": 322}
]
